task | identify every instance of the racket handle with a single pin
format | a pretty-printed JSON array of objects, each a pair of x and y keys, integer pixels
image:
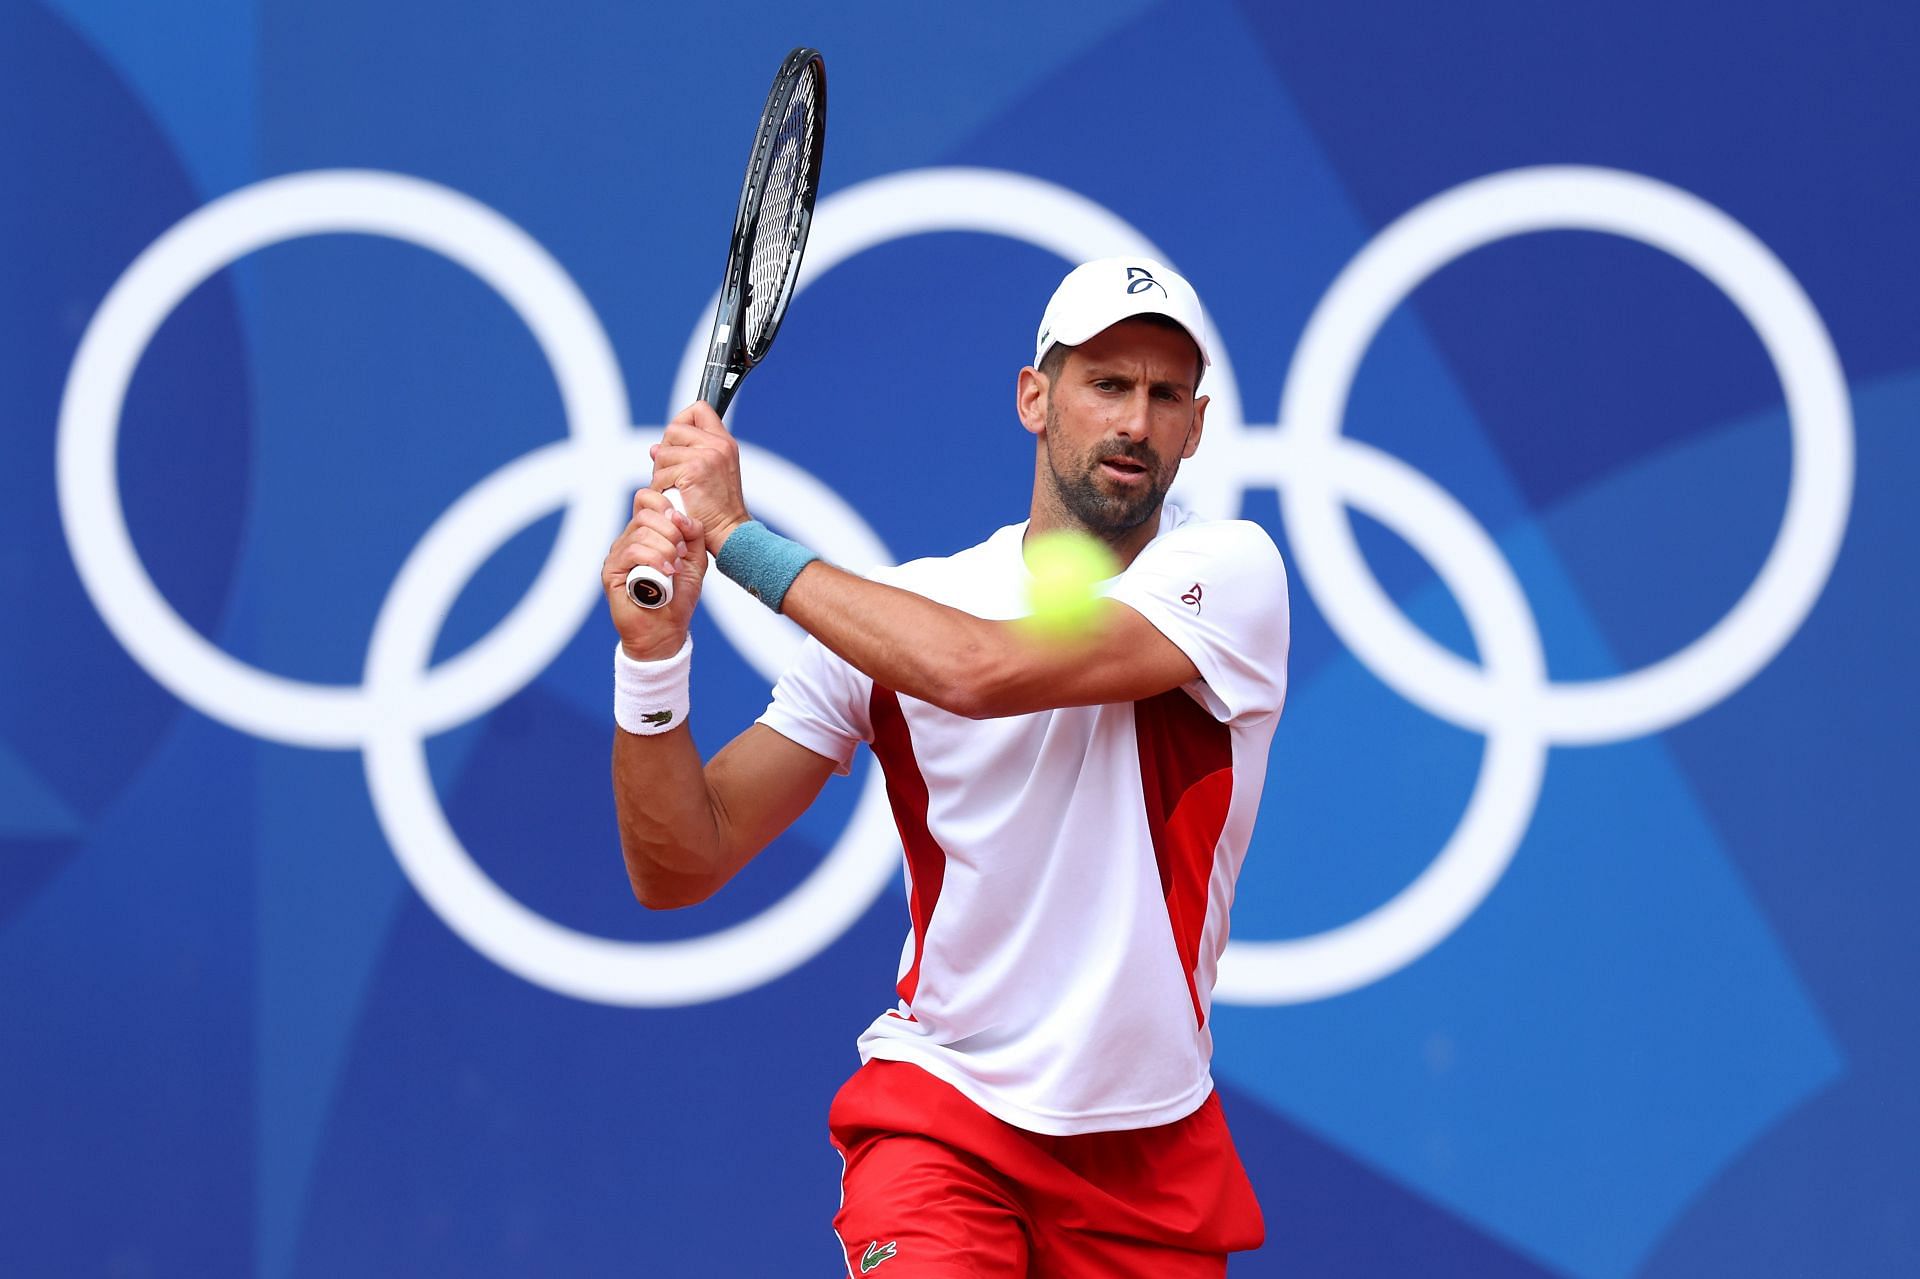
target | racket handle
[
  {"x": 648, "y": 587},
  {"x": 715, "y": 389}
]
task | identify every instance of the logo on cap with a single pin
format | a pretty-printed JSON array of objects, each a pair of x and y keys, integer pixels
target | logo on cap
[{"x": 1139, "y": 280}]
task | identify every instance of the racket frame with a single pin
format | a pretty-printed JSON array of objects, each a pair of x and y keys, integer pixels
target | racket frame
[{"x": 730, "y": 356}]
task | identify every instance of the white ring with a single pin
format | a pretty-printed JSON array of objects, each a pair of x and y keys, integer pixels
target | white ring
[
  {"x": 652, "y": 974},
  {"x": 1627, "y": 204},
  {"x": 1315, "y": 468},
  {"x": 1426, "y": 911},
  {"x": 276, "y": 707}
]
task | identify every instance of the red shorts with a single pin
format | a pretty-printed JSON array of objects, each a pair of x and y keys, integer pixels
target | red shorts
[{"x": 937, "y": 1188}]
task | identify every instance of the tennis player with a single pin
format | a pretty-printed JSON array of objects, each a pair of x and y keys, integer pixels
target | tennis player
[{"x": 1039, "y": 1102}]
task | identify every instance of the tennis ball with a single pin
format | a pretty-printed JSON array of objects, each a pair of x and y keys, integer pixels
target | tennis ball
[{"x": 1064, "y": 570}]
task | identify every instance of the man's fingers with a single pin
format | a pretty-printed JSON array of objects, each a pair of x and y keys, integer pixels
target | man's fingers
[
  {"x": 667, "y": 526},
  {"x": 677, "y": 466},
  {"x": 688, "y": 436},
  {"x": 629, "y": 552},
  {"x": 648, "y": 499},
  {"x": 645, "y": 546},
  {"x": 660, "y": 522},
  {"x": 690, "y": 528},
  {"x": 700, "y": 416},
  {"x": 657, "y": 531}
]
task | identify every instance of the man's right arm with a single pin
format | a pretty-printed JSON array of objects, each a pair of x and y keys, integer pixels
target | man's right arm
[{"x": 685, "y": 828}]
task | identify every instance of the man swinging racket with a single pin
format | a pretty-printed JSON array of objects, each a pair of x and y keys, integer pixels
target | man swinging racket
[{"x": 1074, "y": 814}]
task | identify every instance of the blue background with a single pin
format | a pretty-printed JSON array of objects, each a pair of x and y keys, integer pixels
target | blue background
[{"x": 1676, "y": 1040}]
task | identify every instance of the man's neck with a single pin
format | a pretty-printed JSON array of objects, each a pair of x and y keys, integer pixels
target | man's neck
[{"x": 1047, "y": 517}]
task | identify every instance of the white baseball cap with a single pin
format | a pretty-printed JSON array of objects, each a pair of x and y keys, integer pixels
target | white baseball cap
[{"x": 1099, "y": 294}]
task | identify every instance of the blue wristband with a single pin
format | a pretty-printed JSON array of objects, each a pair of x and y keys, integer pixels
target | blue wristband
[{"x": 763, "y": 562}]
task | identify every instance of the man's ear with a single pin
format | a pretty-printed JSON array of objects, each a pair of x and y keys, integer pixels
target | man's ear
[
  {"x": 1030, "y": 399},
  {"x": 1193, "y": 431}
]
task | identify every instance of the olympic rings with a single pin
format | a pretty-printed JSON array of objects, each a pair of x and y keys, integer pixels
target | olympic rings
[{"x": 1318, "y": 472}]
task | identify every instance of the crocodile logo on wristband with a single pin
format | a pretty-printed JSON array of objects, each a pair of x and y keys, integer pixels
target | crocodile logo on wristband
[{"x": 661, "y": 718}]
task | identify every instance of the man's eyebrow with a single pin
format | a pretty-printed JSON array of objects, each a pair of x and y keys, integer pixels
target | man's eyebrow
[{"x": 1101, "y": 373}]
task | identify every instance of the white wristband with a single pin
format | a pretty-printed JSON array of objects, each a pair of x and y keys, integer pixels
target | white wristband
[{"x": 651, "y": 697}]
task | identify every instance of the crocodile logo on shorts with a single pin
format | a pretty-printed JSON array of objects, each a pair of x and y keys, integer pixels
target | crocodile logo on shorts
[{"x": 877, "y": 1252}]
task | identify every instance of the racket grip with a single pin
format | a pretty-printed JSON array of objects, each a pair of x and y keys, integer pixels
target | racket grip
[{"x": 648, "y": 587}]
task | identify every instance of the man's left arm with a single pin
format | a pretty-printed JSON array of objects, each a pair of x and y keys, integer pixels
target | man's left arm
[{"x": 978, "y": 668}]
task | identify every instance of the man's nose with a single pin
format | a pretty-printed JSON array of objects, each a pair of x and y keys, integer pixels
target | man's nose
[{"x": 1135, "y": 416}]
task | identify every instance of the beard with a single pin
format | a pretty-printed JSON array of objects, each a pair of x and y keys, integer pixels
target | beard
[{"x": 1085, "y": 494}]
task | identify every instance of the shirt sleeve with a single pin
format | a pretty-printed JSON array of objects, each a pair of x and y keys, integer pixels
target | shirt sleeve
[
  {"x": 1218, "y": 590},
  {"x": 822, "y": 704}
]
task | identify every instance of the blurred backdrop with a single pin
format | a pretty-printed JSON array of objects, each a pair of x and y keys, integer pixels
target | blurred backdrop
[{"x": 1572, "y": 355}]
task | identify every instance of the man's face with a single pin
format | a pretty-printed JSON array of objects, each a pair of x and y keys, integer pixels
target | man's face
[{"x": 1121, "y": 415}]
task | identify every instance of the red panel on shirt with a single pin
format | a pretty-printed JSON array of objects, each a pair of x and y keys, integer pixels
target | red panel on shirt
[
  {"x": 1186, "y": 779},
  {"x": 907, "y": 790}
]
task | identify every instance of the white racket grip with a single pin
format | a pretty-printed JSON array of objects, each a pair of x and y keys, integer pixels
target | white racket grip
[{"x": 649, "y": 587}]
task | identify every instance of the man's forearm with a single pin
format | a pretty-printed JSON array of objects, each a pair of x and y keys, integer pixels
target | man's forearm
[
  {"x": 669, "y": 835},
  {"x": 903, "y": 641},
  {"x": 982, "y": 669}
]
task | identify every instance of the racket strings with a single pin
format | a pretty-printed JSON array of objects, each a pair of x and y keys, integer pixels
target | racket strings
[{"x": 782, "y": 203}]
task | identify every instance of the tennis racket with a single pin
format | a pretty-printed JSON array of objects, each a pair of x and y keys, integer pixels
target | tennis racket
[{"x": 763, "y": 261}]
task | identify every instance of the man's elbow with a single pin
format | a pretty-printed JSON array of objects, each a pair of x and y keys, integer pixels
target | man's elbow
[
  {"x": 956, "y": 697},
  {"x": 981, "y": 686},
  {"x": 658, "y": 888},
  {"x": 656, "y": 898}
]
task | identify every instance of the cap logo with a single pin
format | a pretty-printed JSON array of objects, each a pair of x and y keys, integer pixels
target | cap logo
[{"x": 1139, "y": 280}]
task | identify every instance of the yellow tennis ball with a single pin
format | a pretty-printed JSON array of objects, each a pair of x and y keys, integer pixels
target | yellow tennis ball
[{"x": 1064, "y": 571}]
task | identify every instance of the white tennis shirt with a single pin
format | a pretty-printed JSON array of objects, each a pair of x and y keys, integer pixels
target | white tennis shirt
[{"x": 1070, "y": 871}]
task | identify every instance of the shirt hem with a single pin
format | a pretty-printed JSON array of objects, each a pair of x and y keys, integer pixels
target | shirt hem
[
  {"x": 803, "y": 735},
  {"x": 1047, "y": 1123}
]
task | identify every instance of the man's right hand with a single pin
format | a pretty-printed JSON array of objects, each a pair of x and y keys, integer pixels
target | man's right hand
[{"x": 676, "y": 545}]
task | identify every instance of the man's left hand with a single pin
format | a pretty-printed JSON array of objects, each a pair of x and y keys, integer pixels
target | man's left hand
[{"x": 700, "y": 457}]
